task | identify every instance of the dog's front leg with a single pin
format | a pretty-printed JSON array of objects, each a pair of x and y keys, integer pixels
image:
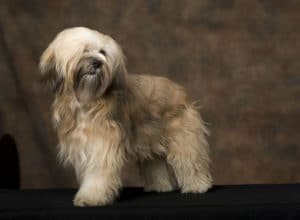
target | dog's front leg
[
  {"x": 98, "y": 188},
  {"x": 101, "y": 180}
]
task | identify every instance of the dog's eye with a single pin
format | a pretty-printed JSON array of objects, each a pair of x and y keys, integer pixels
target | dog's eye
[{"x": 103, "y": 52}]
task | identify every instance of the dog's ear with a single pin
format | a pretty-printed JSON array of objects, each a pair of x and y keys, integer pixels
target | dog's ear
[
  {"x": 49, "y": 74},
  {"x": 119, "y": 80}
]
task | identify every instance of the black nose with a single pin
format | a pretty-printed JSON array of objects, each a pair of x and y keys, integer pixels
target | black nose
[{"x": 97, "y": 64}]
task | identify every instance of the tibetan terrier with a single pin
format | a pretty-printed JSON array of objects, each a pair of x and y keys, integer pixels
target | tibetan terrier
[{"x": 105, "y": 117}]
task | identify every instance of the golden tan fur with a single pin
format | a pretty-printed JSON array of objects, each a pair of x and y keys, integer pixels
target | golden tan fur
[{"x": 105, "y": 117}]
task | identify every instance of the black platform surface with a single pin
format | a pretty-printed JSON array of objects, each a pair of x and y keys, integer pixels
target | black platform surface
[{"x": 221, "y": 202}]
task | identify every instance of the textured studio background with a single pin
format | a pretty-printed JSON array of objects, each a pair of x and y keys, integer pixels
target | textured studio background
[{"x": 240, "y": 58}]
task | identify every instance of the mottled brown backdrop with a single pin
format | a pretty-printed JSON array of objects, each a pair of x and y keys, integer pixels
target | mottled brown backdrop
[{"x": 240, "y": 58}]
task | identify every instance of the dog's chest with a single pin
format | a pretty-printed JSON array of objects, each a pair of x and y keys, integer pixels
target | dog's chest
[
  {"x": 95, "y": 128},
  {"x": 84, "y": 132}
]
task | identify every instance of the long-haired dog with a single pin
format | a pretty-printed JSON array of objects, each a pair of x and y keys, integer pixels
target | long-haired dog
[{"x": 105, "y": 117}]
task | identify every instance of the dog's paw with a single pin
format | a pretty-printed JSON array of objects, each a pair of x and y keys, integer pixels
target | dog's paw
[
  {"x": 162, "y": 187},
  {"x": 196, "y": 187},
  {"x": 92, "y": 199}
]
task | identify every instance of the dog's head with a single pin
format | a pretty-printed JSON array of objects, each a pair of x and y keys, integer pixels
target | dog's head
[{"x": 83, "y": 62}]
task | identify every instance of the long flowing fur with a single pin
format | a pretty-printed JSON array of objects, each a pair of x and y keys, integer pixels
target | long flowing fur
[{"x": 114, "y": 117}]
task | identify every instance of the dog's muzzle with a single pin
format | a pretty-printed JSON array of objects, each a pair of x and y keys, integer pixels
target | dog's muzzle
[
  {"x": 89, "y": 69},
  {"x": 96, "y": 66}
]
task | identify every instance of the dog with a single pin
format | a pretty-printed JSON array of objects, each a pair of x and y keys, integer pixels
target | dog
[{"x": 105, "y": 117}]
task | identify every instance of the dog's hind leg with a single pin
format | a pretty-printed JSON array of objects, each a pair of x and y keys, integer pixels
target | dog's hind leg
[{"x": 188, "y": 152}]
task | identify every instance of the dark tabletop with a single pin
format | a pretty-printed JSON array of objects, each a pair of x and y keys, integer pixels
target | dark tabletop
[{"x": 221, "y": 202}]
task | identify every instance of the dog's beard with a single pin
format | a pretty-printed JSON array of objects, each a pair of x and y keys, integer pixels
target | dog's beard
[{"x": 91, "y": 79}]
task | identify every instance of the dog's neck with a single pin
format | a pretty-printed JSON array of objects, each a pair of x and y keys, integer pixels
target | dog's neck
[{"x": 115, "y": 96}]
